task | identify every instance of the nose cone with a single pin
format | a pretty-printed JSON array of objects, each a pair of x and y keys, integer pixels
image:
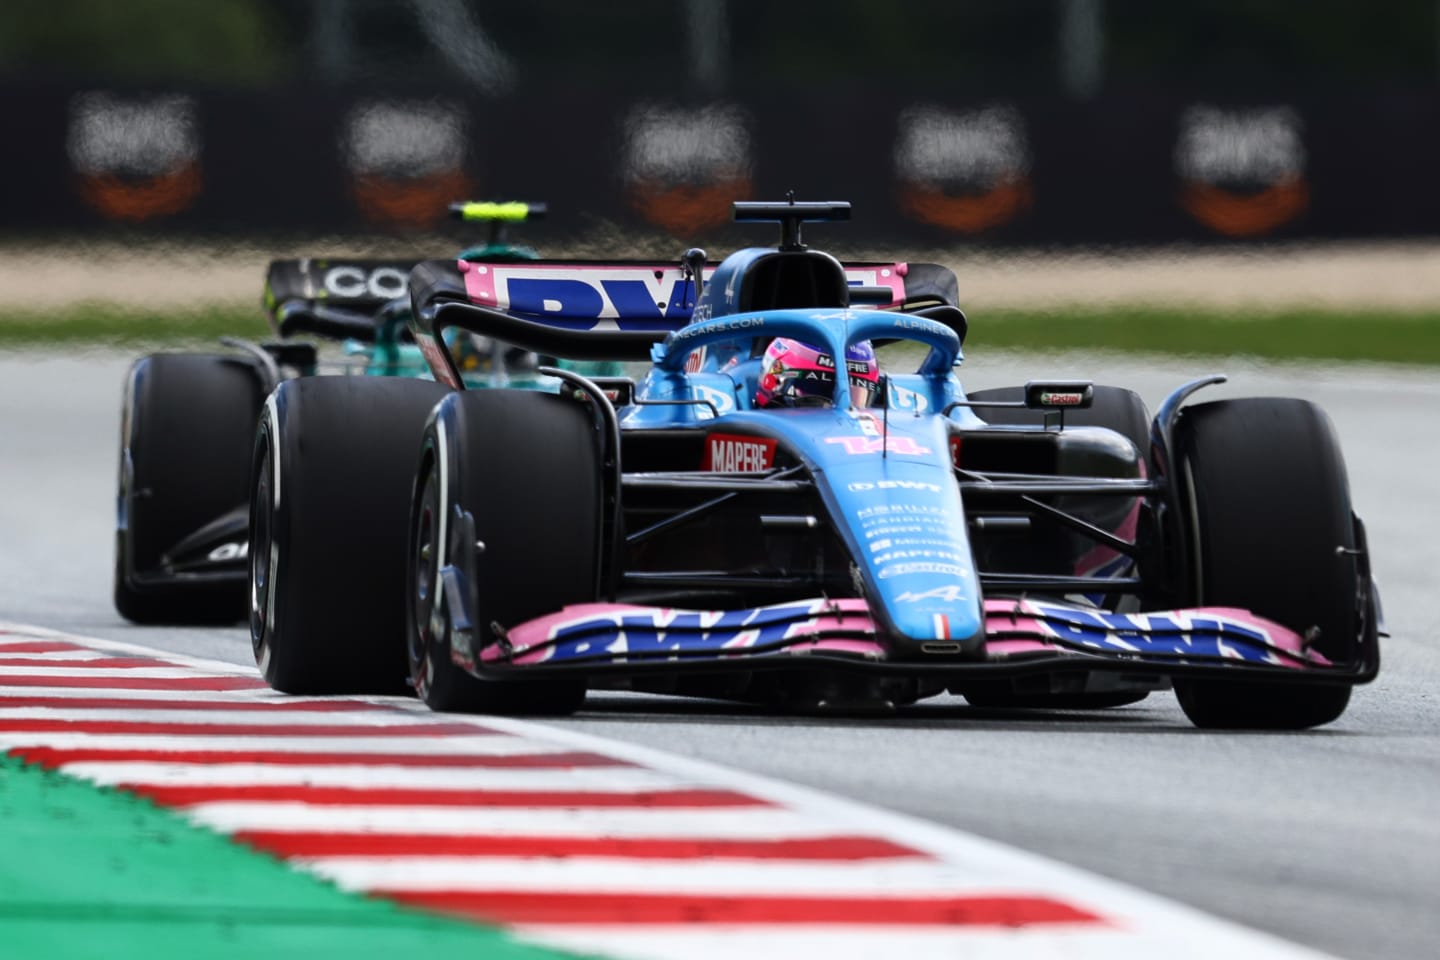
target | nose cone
[{"x": 898, "y": 506}]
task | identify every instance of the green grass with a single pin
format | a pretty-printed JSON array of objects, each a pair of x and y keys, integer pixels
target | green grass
[
  {"x": 1388, "y": 336},
  {"x": 99, "y": 324}
]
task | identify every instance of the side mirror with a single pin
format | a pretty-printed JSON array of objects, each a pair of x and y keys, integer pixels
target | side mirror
[{"x": 1059, "y": 394}]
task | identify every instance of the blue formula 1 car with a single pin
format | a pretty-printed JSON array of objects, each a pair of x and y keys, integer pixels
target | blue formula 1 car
[
  {"x": 766, "y": 517},
  {"x": 188, "y": 418}
]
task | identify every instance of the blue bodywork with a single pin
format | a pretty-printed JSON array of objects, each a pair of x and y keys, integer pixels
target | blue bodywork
[
  {"x": 888, "y": 479},
  {"x": 885, "y": 475}
]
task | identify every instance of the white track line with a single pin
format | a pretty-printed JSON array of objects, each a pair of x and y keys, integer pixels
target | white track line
[
  {"x": 894, "y": 878},
  {"x": 594, "y": 779},
  {"x": 277, "y": 716},
  {"x": 750, "y": 823},
  {"x": 489, "y": 746},
  {"x": 27, "y": 633},
  {"x": 797, "y": 942},
  {"x": 108, "y": 673},
  {"x": 56, "y": 656},
  {"x": 171, "y": 694}
]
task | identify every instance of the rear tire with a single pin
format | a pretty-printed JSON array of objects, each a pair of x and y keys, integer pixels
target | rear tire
[
  {"x": 519, "y": 473},
  {"x": 186, "y": 429},
  {"x": 328, "y": 531},
  {"x": 1270, "y": 522},
  {"x": 1115, "y": 408}
]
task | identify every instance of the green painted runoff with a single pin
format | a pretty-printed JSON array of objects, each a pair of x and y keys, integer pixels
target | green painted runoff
[{"x": 93, "y": 872}]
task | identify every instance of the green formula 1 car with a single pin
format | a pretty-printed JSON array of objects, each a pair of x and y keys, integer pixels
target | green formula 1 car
[{"x": 188, "y": 418}]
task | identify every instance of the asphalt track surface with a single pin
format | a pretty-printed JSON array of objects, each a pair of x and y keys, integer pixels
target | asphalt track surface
[{"x": 1328, "y": 838}]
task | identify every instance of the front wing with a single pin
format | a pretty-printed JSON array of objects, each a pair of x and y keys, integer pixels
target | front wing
[
  {"x": 216, "y": 553},
  {"x": 1022, "y": 636}
]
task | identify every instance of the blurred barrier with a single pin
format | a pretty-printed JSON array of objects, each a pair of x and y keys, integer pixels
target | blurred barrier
[{"x": 1115, "y": 169}]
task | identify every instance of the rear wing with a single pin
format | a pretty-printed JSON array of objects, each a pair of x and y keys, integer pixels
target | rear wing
[
  {"x": 612, "y": 309},
  {"x": 334, "y": 297}
]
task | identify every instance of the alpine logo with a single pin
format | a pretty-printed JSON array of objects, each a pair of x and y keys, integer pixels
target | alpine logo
[
  {"x": 950, "y": 593},
  {"x": 725, "y": 453}
]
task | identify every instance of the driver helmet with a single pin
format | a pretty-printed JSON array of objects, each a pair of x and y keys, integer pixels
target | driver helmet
[{"x": 795, "y": 374}]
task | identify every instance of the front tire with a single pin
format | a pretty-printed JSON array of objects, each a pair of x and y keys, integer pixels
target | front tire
[
  {"x": 331, "y": 480},
  {"x": 186, "y": 429},
  {"x": 508, "y": 495},
  {"x": 1271, "y": 531}
]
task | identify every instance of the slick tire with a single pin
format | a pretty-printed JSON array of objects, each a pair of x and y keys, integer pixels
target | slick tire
[
  {"x": 508, "y": 493},
  {"x": 187, "y": 425},
  {"x": 334, "y": 461},
  {"x": 1117, "y": 408},
  {"x": 1267, "y": 505}
]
